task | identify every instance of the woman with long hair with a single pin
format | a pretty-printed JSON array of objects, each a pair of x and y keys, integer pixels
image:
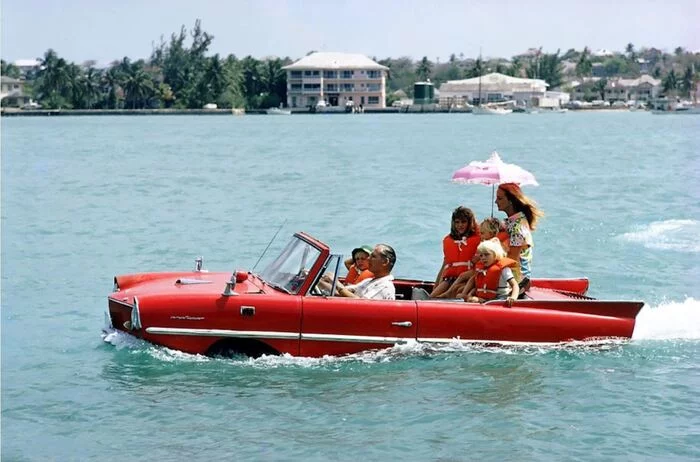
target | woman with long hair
[{"x": 523, "y": 215}]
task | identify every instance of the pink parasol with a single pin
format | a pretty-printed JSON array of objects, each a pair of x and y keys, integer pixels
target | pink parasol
[{"x": 492, "y": 172}]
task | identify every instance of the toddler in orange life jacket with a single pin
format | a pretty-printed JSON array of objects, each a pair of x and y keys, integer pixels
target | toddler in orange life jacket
[
  {"x": 458, "y": 249},
  {"x": 493, "y": 227},
  {"x": 493, "y": 278}
]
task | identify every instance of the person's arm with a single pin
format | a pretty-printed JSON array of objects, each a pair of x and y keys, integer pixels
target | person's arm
[
  {"x": 348, "y": 263},
  {"x": 468, "y": 290},
  {"x": 438, "y": 278},
  {"x": 345, "y": 291},
  {"x": 514, "y": 254},
  {"x": 514, "y": 291}
]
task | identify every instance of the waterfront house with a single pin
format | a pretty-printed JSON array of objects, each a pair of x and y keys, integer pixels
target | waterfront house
[
  {"x": 12, "y": 92},
  {"x": 492, "y": 87},
  {"x": 28, "y": 66},
  {"x": 640, "y": 89},
  {"x": 338, "y": 79}
]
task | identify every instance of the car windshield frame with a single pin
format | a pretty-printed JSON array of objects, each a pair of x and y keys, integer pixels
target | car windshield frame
[{"x": 293, "y": 266}]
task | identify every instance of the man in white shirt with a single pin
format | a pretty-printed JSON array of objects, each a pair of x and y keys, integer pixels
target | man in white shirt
[{"x": 380, "y": 287}]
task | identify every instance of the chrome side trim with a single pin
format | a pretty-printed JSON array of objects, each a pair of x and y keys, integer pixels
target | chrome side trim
[
  {"x": 277, "y": 335},
  {"x": 353, "y": 338},
  {"x": 468, "y": 341},
  {"x": 221, "y": 333}
]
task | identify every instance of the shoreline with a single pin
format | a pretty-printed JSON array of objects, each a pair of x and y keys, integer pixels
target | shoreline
[{"x": 416, "y": 109}]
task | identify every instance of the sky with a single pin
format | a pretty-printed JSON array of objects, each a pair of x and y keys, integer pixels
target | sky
[{"x": 108, "y": 30}]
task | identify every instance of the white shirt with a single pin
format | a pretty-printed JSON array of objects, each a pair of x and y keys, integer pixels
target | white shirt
[{"x": 378, "y": 288}]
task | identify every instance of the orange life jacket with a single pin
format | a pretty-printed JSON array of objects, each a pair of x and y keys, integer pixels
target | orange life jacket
[
  {"x": 486, "y": 279},
  {"x": 458, "y": 254},
  {"x": 505, "y": 240},
  {"x": 354, "y": 277}
]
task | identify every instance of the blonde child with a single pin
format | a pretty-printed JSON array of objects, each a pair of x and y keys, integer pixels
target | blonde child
[{"x": 493, "y": 278}]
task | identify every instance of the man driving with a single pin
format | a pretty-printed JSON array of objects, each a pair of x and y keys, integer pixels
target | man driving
[{"x": 380, "y": 287}]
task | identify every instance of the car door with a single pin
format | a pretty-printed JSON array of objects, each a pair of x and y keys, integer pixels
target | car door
[{"x": 338, "y": 325}]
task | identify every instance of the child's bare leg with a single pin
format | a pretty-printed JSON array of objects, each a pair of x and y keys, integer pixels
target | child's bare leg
[{"x": 440, "y": 289}]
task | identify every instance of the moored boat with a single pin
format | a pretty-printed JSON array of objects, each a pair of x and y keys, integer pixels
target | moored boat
[
  {"x": 279, "y": 111},
  {"x": 283, "y": 310}
]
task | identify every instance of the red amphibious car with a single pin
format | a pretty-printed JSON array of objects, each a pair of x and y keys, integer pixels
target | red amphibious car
[{"x": 281, "y": 310}]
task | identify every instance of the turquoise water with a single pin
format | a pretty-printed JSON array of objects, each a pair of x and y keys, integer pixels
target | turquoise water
[{"x": 86, "y": 198}]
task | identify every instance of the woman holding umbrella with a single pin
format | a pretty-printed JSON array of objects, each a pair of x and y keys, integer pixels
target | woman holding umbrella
[{"x": 523, "y": 214}]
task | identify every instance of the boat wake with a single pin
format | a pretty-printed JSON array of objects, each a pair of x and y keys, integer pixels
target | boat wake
[
  {"x": 677, "y": 235},
  {"x": 669, "y": 321}
]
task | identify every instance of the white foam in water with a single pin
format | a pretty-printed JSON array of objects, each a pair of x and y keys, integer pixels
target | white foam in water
[
  {"x": 669, "y": 320},
  {"x": 680, "y": 235}
]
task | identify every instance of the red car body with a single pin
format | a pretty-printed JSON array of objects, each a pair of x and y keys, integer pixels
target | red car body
[{"x": 280, "y": 311}]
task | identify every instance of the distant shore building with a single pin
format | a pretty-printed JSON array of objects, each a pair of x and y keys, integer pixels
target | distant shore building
[
  {"x": 494, "y": 87},
  {"x": 339, "y": 79},
  {"x": 12, "y": 92},
  {"x": 26, "y": 66},
  {"x": 644, "y": 88}
]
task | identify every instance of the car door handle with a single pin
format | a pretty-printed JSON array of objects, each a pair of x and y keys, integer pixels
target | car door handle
[{"x": 402, "y": 324}]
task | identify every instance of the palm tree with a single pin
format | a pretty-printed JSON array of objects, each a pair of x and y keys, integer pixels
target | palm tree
[
  {"x": 53, "y": 80},
  {"x": 424, "y": 69},
  {"x": 584, "y": 65},
  {"x": 686, "y": 83},
  {"x": 679, "y": 51},
  {"x": 249, "y": 81},
  {"x": 138, "y": 87},
  {"x": 631, "y": 55},
  {"x": 110, "y": 85},
  {"x": 91, "y": 86},
  {"x": 599, "y": 87},
  {"x": 670, "y": 82}
]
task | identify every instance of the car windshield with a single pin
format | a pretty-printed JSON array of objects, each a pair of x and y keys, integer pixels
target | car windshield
[{"x": 289, "y": 270}]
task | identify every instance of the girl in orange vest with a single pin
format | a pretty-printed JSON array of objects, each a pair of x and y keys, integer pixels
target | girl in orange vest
[
  {"x": 458, "y": 249},
  {"x": 493, "y": 278}
]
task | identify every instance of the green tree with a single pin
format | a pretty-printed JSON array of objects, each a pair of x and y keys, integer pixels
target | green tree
[
  {"x": 688, "y": 81},
  {"x": 250, "y": 83},
  {"x": 53, "y": 81},
  {"x": 599, "y": 87},
  {"x": 110, "y": 88},
  {"x": 10, "y": 70},
  {"x": 546, "y": 67},
  {"x": 424, "y": 69},
  {"x": 91, "y": 87},
  {"x": 631, "y": 54},
  {"x": 584, "y": 65},
  {"x": 516, "y": 67},
  {"x": 670, "y": 82}
]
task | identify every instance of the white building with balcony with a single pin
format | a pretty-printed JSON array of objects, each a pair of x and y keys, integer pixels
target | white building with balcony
[
  {"x": 644, "y": 88},
  {"x": 339, "y": 79}
]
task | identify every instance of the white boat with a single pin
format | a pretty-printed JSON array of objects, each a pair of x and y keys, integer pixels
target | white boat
[
  {"x": 680, "y": 107},
  {"x": 279, "y": 111},
  {"x": 491, "y": 110},
  {"x": 553, "y": 110}
]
